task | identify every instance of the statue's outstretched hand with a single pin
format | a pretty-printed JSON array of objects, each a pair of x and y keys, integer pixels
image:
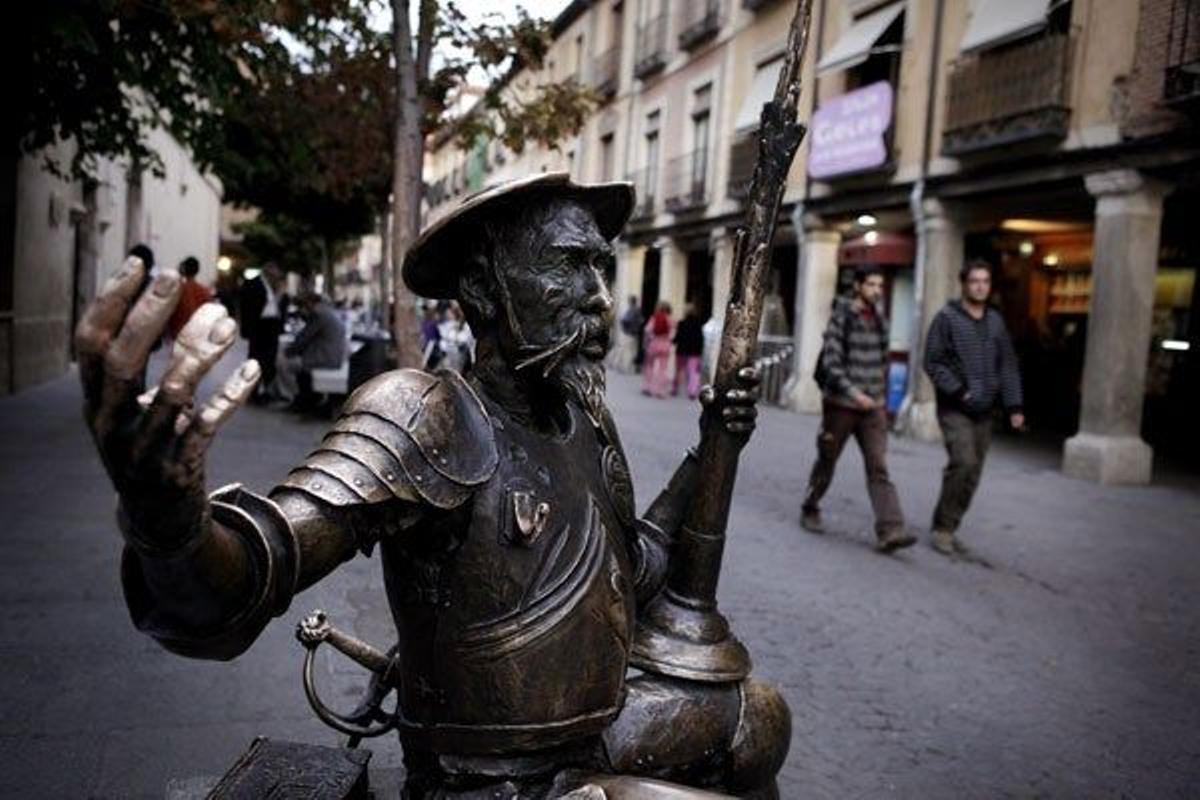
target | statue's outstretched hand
[
  {"x": 738, "y": 407},
  {"x": 153, "y": 443}
]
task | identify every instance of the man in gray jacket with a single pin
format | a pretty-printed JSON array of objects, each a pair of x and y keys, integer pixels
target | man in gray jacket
[
  {"x": 320, "y": 344},
  {"x": 852, "y": 374},
  {"x": 970, "y": 359}
]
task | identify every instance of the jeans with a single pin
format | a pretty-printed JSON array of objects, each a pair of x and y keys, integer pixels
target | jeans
[
  {"x": 870, "y": 431},
  {"x": 967, "y": 443}
]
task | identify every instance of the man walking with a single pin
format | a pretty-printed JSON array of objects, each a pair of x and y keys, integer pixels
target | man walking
[
  {"x": 969, "y": 357},
  {"x": 852, "y": 374}
]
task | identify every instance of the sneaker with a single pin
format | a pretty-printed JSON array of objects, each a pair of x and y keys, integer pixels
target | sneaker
[
  {"x": 810, "y": 520},
  {"x": 895, "y": 539},
  {"x": 944, "y": 542}
]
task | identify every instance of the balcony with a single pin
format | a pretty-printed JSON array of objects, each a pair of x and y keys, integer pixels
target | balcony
[
  {"x": 699, "y": 23},
  {"x": 1015, "y": 94},
  {"x": 1181, "y": 82},
  {"x": 743, "y": 155},
  {"x": 687, "y": 182},
  {"x": 650, "y": 52},
  {"x": 603, "y": 72},
  {"x": 644, "y": 183}
]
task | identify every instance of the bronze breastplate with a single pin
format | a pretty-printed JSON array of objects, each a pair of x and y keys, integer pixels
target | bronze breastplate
[{"x": 517, "y": 636}]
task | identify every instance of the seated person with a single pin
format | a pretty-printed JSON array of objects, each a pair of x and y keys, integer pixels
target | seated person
[{"x": 320, "y": 344}]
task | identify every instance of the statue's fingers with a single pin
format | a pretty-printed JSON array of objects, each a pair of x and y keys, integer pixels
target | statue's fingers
[
  {"x": 101, "y": 321},
  {"x": 739, "y": 413},
  {"x": 204, "y": 339},
  {"x": 126, "y": 357},
  {"x": 219, "y": 408}
]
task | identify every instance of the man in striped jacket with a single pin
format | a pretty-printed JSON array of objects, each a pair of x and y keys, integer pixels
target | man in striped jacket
[
  {"x": 970, "y": 359},
  {"x": 852, "y": 374}
]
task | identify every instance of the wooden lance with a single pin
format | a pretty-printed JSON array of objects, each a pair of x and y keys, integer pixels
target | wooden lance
[{"x": 682, "y": 634}]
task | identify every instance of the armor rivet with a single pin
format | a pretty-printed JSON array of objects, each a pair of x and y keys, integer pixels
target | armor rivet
[
  {"x": 389, "y": 476},
  {"x": 358, "y": 481},
  {"x": 316, "y": 485},
  {"x": 418, "y": 478}
]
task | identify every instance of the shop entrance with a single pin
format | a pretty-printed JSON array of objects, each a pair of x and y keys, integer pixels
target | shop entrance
[{"x": 1043, "y": 285}]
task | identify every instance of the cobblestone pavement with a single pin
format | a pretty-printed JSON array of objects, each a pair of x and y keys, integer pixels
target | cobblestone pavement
[{"x": 1061, "y": 660}]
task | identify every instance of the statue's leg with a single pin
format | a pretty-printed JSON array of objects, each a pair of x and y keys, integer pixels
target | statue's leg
[{"x": 733, "y": 737}]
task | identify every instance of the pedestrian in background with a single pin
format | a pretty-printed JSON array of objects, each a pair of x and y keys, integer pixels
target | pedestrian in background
[
  {"x": 263, "y": 311},
  {"x": 192, "y": 295},
  {"x": 455, "y": 340},
  {"x": 852, "y": 374},
  {"x": 689, "y": 347},
  {"x": 632, "y": 321},
  {"x": 320, "y": 344},
  {"x": 656, "y": 369},
  {"x": 970, "y": 359}
]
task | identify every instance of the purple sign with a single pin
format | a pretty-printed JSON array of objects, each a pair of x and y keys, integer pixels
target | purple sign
[{"x": 847, "y": 131}]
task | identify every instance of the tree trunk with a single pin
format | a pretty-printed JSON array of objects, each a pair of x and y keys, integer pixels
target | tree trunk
[
  {"x": 408, "y": 156},
  {"x": 385, "y": 262}
]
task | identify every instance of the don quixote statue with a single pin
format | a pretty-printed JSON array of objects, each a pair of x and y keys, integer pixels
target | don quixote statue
[{"x": 522, "y": 583}]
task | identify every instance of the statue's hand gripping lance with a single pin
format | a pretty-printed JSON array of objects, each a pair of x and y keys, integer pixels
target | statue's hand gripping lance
[{"x": 682, "y": 633}]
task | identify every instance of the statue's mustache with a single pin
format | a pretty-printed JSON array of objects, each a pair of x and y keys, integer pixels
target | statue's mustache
[{"x": 550, "y": 356}]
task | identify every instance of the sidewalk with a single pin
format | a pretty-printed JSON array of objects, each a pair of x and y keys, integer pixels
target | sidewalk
[{"x": 1063, "y": 660}]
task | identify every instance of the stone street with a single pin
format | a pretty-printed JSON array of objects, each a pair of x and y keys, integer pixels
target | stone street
[{"x": 1061, "y": 660}]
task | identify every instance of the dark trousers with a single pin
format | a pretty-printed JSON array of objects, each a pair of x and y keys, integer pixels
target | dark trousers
[
  {"x": 870, "y": 431},
  {"x": 264, "y": 344},
  {"x": 967, "y": 443}
]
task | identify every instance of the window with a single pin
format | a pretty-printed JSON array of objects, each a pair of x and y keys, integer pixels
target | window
[
  {"x": 652, "y": 122},
  {"x": 606, "y": 157},
  {"x": 869, "y": 50},
  {"x": 701, "y": 112}
]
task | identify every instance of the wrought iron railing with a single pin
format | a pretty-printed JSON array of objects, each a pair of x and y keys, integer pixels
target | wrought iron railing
[
  {"x": 650, "y": 51},
  {"x": 687, "y": 181},
  {"x": 604, "y": 70},
  {"x": 1181, "y": 82},
  {"x": 1015, "y": 93},
  {"x": 700, "y": 22},
  {"x": 644, "y": 182}
]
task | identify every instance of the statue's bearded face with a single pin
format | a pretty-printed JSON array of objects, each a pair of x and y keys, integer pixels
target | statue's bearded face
[{"x": 551, "y": 260}]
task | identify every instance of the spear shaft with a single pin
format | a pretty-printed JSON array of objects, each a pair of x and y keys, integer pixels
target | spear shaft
[{"x": 683, "y": 634}]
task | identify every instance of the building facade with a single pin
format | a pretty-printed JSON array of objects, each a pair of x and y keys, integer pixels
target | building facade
[
  {"x": 62, "y": 239},
  {"x": 1057, "y": 140}
]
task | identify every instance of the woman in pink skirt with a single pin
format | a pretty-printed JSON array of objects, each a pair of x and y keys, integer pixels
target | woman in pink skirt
[{"x": 656, "y": 371}]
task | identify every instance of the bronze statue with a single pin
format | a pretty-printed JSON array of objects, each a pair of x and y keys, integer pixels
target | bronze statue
[{"x": 501, "y": 504}]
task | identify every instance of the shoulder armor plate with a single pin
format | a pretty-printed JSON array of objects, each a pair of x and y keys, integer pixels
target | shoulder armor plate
[{"x": 405, "y": 434}]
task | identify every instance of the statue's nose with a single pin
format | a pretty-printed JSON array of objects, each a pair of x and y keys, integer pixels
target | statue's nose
[{"x": 599, "y": 300}]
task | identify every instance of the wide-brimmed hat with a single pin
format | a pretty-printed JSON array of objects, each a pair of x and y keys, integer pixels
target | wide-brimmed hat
[{"x": 434, "y": 262}]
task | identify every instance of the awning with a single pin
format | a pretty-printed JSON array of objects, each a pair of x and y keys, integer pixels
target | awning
[
  {"x": 856, "y": 44},
  {"x": 886, "y": 249},
  {"x": 994, "y": 22},
  {"x": 761, "y": 92}
]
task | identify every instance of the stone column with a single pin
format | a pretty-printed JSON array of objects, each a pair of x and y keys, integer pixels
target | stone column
[
  {"x": 940, "y": 256},
  {"x": 1109, "y": 448},
  {"x": 721, "y": 245},
  {"x": 631, "y": 262},
  {"x": 672, "y": 282},
  {"x": 816, "y": 283}
]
